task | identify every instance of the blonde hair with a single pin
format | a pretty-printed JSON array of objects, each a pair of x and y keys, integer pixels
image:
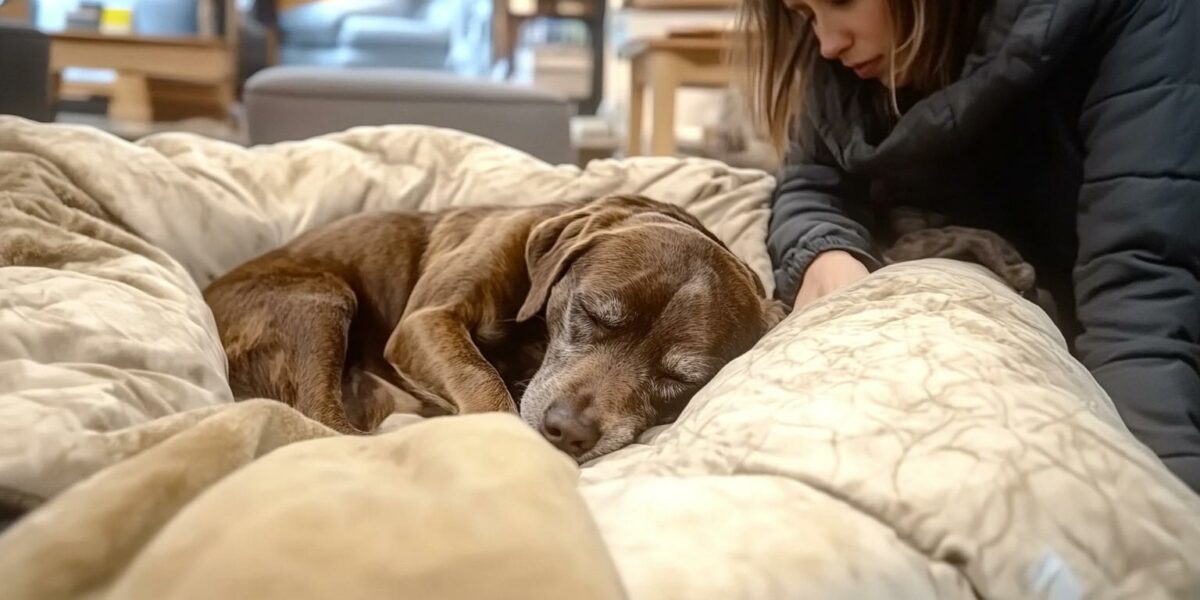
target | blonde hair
[{"x": 775, "y": 49}]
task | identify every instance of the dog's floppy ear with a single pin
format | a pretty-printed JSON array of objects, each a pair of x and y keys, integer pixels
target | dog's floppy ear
[
  {"x": 551, "y": 248},
  {"x": 555, "y": 243}
]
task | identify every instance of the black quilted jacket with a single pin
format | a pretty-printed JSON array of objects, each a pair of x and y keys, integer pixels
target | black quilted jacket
[{"x": 1073, "y": 130}]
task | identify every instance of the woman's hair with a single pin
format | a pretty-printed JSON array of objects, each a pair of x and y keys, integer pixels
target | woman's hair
[{"x": 776, "y": 48}]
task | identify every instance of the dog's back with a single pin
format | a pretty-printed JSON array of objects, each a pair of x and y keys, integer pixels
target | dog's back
[
  {"x": 284, "y": 315},
  {"x": 308, "y": 322}
]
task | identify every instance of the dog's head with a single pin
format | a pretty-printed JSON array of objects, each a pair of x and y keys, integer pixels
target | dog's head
[{"x": 643, "y": 306}]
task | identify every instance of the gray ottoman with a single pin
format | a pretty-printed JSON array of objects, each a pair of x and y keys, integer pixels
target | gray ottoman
[{"x": 292, "y": 103}]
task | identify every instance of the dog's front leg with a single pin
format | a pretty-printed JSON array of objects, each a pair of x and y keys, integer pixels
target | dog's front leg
[{"x": 432, "y": 349}]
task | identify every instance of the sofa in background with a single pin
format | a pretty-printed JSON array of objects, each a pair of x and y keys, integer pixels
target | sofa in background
[
  {"x": 415, "y": 34},
  {"x": 293, "y": 103}
]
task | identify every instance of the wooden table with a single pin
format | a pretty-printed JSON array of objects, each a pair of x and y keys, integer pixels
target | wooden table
[
  {"x": 208, "y": 63},
  {"x": 201, "y": 69},
  {"x": 664, "y": 65}
]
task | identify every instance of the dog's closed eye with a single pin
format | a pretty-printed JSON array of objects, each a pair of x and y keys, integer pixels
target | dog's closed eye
[
  {"x": 584, "y": 327},
  {"x": 671, "y": 382},
  {"x": 671, "y": 390},
  {"x": 682, "y": 370},
  {"x": 605, "y": 312}
]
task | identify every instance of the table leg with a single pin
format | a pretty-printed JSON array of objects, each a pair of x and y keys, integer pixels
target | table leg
[
  {"x": 130, "y": 99},
  {"x": 637, "y": 96},
  {"x": 664, "y": 82},
  {"x": 226, "y": 97},
  {"x": 55, "y": 89}
]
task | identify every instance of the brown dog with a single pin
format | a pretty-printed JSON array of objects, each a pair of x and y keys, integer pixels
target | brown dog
[{"x": 597, "y": 319}]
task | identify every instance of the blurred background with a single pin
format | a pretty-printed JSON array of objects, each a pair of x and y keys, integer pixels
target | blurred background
[{"x": 634, "y": 76}]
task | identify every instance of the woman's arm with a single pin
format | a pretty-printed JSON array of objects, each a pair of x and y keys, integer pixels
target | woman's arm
[
  {"x": 1137, "y": 276},
  {"x": 808, "y": 218}
]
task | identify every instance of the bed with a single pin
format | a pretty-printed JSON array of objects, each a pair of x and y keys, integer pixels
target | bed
[{"x": 923, "y": 434}]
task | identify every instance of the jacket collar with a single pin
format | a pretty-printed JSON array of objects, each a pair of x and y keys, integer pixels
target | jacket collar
[{"x": 1019, "y": 44}]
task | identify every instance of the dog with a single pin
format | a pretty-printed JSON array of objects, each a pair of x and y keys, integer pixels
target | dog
[{"x": 592, "y": 320}]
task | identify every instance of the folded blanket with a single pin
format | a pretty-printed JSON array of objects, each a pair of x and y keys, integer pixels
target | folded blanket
[{"x": 205, "y": 514}]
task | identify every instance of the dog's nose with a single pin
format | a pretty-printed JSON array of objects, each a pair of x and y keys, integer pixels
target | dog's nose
[{"x": 570, "y": 431}]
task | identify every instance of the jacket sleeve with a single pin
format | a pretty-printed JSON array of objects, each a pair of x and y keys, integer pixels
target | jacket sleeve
[
  {"x": 809, "y": 214},
  {"x": 1137, "y": 275}
]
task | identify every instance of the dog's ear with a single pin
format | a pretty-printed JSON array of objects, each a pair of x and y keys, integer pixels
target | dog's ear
[
  {"x": 552, "y": 246},
  {"x": 555, "y": 243}
]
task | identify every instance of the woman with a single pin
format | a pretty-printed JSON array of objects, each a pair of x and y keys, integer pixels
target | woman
[{"x": 1072, "y": 128}]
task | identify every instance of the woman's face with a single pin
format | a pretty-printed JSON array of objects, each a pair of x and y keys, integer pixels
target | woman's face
[{"x": 856, "y": 33}]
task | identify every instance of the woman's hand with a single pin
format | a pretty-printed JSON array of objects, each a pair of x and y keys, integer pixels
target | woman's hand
[{"x": 829, "y": 272}]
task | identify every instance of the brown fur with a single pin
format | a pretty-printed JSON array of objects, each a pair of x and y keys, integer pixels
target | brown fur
[
  {"x": 447, "y": 313},
  {"x": 966, "y": 244},
  {"x": 924, "y": 234}
]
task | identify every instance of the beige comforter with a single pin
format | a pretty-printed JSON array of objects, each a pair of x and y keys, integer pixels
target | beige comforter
[{"x": 922, "y": 435}]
